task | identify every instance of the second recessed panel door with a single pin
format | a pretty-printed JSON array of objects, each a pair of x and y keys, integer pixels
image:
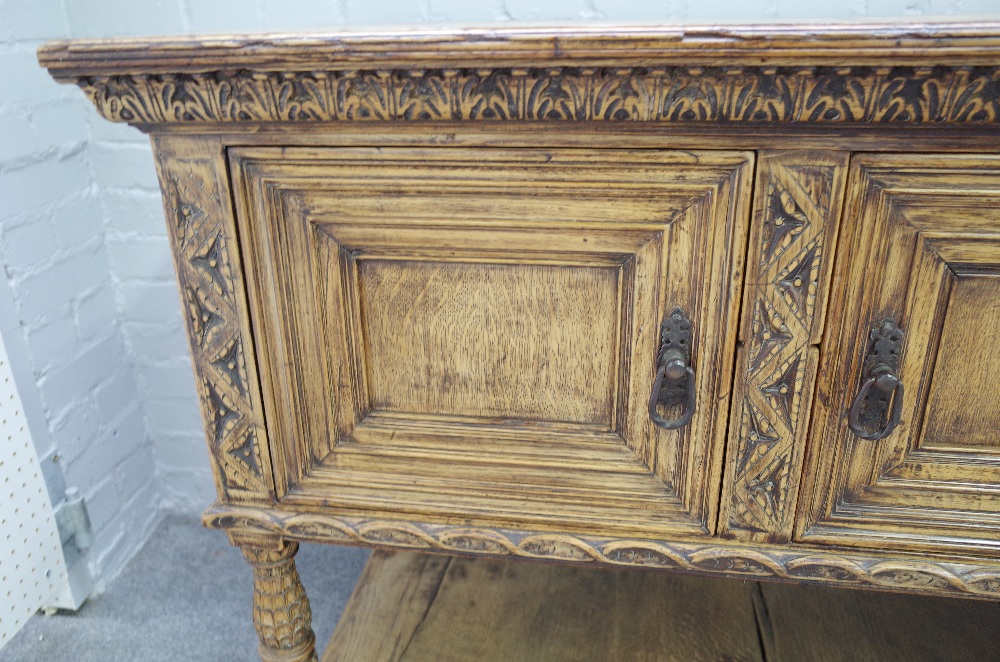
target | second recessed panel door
[
  {"x": 905, "y": 447},
  {"x": 472, "y": 334}
]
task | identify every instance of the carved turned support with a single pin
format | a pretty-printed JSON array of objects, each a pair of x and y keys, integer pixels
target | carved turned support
[{"x": 281, "y": 613}]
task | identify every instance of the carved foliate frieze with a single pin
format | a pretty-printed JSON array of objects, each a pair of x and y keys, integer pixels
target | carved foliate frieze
[
  {"x": 755, "y": 562},
  {"x": 794, "y": 230},
  {"x": 906, "y": 95},
  {"x": 213, "y": 312}
]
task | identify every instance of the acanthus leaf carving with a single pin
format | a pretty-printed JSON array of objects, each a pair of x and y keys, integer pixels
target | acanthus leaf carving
[{"x": 676, "y": 94}]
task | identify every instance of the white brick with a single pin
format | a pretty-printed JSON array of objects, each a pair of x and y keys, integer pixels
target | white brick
[
  {"x": 79, "y": 377},
  {"x": 450, "y": 11},
  {"x": 124, "y": 165},
  {"x": 77, "y": 221},
  {"x": 108, "y": 450},
  {"x": 135, "y": 471},
  {"x": 55, "y": 342},
  {"x": 300, "y": 15},
  {"x": 969, "y": 7},
  {"x": 59, "y": 123},
  {"x": 186, "y": 491},
  {"x": 96, "y": 313},
  {"x": 34, "y": 19},
  {"x": 119, "y": 18},
  {"x": 23, "y": 80},
  {"x": 43, "y": 183},
  {"x": 75, "y": 431},
  {"x": 103, "y": 503},
  {"x": 29, "y": 245},
  {"x": 174, "y": 380},
  {"x": 224, "y": 16},
  {"x": 178, "y": 416},
  {"x": 157, "y": 342},
  {"x": 115, "y": 395},
  {"x": 102, "y": 130},
  {"x": 181, "y": 452},
  {"x": 851, "y": 9},
  {"x": 60, "y": 282},
  {"x": 149, "y": 302},
  {"x": 134, "y": 212},
  {"x": 554, "y": 10},
  {"x": 639, "y": 10},
  {"x": 366, "y": 12},
  {"x": 901, "y": 8},
  {"x": 17, "y": 131},
  {"x": 730, "y": 10},
  {"x": 141, "y": 258}
]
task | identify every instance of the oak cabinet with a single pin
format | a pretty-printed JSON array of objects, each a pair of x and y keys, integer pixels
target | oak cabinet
[{"x": 716, "y": 302}]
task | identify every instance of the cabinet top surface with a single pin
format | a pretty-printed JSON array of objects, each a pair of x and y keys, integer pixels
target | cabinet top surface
[
  {"x": 794, "y": 73},
  {"x": 599, "y": 45}
]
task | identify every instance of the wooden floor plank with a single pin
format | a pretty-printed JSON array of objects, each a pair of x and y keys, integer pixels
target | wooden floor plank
[
  {"x": 390, "y": 600},
  {"x": 489, "y": 609},
  {"x": 820, "y": 624}
]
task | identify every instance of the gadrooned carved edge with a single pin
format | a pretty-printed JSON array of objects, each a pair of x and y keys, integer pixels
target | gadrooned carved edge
[
  {"x": 839, "y": 569},
  {"x": 823, "y": 95}
]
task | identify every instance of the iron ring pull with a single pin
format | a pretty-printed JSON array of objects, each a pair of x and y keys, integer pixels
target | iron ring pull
[
  {"x": 674, "y": 383},
  {"x": 881, "y": 368}
]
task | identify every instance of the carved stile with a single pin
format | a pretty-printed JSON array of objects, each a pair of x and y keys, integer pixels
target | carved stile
[{"x": 791, "y": 249}]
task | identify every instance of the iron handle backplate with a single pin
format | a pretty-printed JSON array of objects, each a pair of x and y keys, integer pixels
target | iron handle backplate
[
  {"x": 674, "y": 384},
  {"x": 878, "y": 406}
]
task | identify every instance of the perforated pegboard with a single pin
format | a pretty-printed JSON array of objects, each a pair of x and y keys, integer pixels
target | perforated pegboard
[{"x": 32, "y": 567}]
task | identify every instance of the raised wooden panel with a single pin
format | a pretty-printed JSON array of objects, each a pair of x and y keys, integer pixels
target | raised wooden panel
[
  {"x": 479, "y": 340},
  {"x": 922, "y": 247},
  {"x": 962, "y": 410},
  {"x": 790, "y": 259},
  {"x": 470, "y": 335}
]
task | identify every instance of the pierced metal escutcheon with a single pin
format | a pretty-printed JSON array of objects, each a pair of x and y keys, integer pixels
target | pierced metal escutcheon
[
  {"x": 877, "y": 408},
  {"x": 674, "y": 384}
]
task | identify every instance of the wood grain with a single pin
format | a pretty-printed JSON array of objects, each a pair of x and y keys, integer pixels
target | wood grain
[
  {"x": 491, "y": 341},
  {"x": 410, "y": 607},
  {"x": 837, "y": 625},
  {"x": 482, "y": 609},
  {"x": 882, "y": 569},
  {"x": 796, "y": 215},
  {"x": 960, "y": 409},
  {"x": 398, "y": 281}
]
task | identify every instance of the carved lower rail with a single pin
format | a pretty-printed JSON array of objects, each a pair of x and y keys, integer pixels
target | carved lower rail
[{"x": 872, "y": 569}]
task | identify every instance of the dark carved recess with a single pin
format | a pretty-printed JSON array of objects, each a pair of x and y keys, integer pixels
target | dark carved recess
[{"x": 908, "y": 95}]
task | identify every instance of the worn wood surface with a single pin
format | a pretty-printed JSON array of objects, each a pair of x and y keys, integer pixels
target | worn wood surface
[
  {"x": 923, "y": 239},
  {"x": 422, "y": 275},
  {"x": 796, "y": 214},
  {"x": 410, "y": 607},
  {"x": 448, "y": 332},
  {"x": 912, "y": 43},
  {"x": 836, "y": 625},
  {"x": 281, "y": 612}
]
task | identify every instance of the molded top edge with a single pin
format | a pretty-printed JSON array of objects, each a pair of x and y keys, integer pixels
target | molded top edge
[{"x": 600, "y": 45}]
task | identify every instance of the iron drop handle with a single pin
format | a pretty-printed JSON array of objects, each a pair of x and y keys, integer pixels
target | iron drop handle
[
  {"x": 674, "y": 384},
  {"x": 877, "y": 407}
]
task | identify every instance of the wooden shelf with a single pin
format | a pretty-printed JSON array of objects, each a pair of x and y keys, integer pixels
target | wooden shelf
[{"x": 411, "y": 607}]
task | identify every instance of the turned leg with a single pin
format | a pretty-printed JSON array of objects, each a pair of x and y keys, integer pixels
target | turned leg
[{"x": 281, "y": 611}]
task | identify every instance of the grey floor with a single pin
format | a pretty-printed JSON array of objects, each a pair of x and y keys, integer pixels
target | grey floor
[{"x": 185, "y": 596}]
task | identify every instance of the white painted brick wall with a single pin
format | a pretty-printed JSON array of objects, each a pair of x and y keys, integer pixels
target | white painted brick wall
[{"x": 83, "y": 244}]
